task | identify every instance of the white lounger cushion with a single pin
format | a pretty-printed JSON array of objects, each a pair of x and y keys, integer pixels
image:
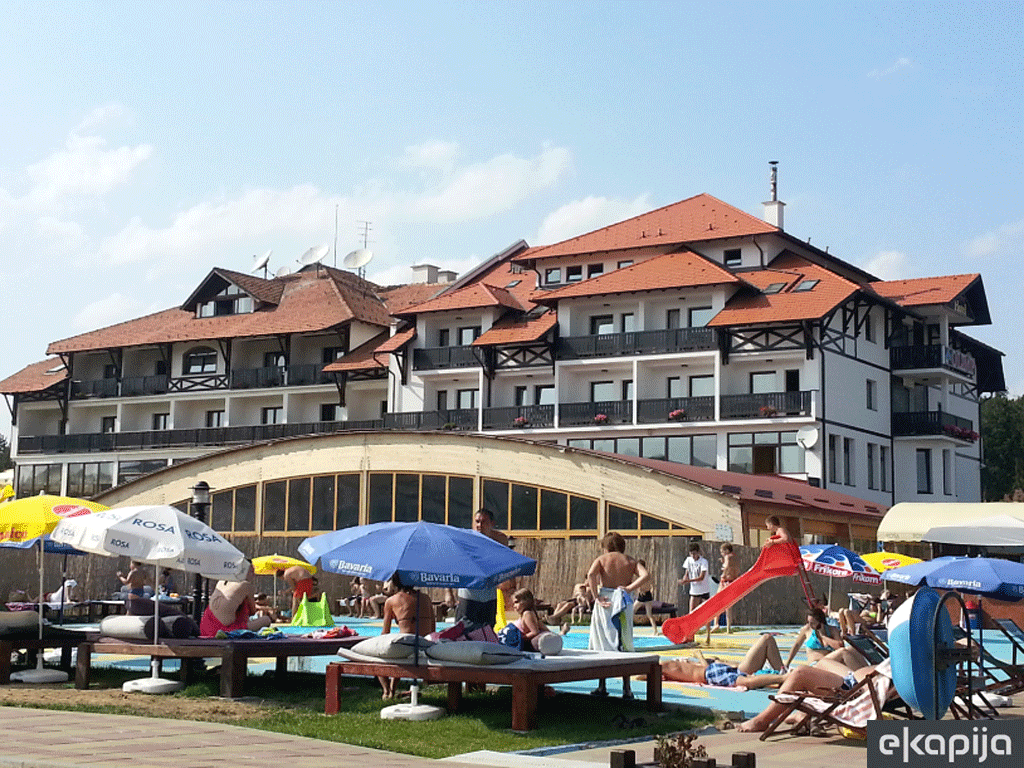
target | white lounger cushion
[
  {"x": 12, "y": 621},
  {"x": 400, "y": 646},
  {"x": 548, "y": 643},
  {"x": 474, "y": 652}
]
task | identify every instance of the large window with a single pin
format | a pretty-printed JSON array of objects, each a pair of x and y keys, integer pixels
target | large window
[
  {"x": 765, "y": 453},
  {"x": 702, "y": 386},
  {"x": 199, "y": 360},
  {"x": 924, "y": 470},
  {"x": 88, "y": 479},
  {"x": 408, "y": 497},
  {"x": 34, "y": 479},
  {"x": 272, "y": 415},
  {"x": 466, "y": 399},
  {"x": 234, "y": 510},
  {"x": 214, "y": 419},
  {"x": 602, "y": 324},
  {"x": 603, "y": 391},
  {"x": 700, "y": 316},
  {"x": 695, "y": 450},
  {"x": 303, "y": 504},
  {"x": 468, "y": 335},
  {"x": 762, "y": 382},
  {"x": 132, "y": 470}
]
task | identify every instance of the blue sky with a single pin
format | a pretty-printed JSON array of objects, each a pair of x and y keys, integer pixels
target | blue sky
[{"x": 145, "y": 143}]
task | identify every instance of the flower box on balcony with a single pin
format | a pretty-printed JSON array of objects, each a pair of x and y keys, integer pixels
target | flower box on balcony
[
  {"x": 768, "y": 411},
  {"x": 677, "y": 415},
  {"x": 961, "y": 433},
  {"x": 600, "y": 418},
  {"x": 520, "y": 422}
]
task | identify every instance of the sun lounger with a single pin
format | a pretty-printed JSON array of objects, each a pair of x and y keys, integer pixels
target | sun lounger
[
  {"x": 527, "y": 677},
  {"x": 233, "y": 654},
  {"x": 1015, "y": 635},
  {"x": 29, "y": 641}
]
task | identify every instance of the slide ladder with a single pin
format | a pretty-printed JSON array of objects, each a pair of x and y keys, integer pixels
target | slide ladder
[{"x": 774, "y": 561}]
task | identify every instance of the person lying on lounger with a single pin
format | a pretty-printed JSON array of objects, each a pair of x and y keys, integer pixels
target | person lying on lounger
[{"x": 715, "y": 672}]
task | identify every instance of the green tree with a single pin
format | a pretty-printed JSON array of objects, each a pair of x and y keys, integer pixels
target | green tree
[
  {"x": 5, "y": 454},
  {"x": 1002, "y": 428}
]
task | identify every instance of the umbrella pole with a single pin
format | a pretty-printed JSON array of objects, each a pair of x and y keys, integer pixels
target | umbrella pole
[{"x": 39, "y": 674}]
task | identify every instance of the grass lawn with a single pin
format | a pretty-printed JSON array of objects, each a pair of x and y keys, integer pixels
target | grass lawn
[{"x": 295, "y": 704}]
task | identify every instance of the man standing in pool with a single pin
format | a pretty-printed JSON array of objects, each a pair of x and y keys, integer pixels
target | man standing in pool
[{"x": 479, "y": 607}]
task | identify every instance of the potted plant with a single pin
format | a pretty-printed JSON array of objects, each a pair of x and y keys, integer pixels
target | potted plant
[
  {"x": 768, "y": 411},
  {"x": 451, "y": 426},
  {"x": 519, "y": 422},
  {"x": 600, "y": 418},
  {"x": 677, "y": 415}
]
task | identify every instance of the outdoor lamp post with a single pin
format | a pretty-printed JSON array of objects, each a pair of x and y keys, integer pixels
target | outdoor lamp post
[{"x": 200, "y": 504}]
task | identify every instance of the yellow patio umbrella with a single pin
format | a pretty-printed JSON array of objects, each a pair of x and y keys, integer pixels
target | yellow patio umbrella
[
  {"x": 885, "y": 561},
  {"x": 264, "y": 565}
]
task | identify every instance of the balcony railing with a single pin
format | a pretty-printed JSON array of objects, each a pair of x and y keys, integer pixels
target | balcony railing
[
  {"x": 932, "y": 356},
  {"x": 455, "y": 418},
  {"x": 686, "y": 409},
  {"x": 433, "y": 358},
  {"x": 589, "y": 414},
  {"x": 914, "y": 423},
  {"x": 93, "y": 388},
  {"x": 144, "y": 385},
  {"x": 520, "y": 417},
  {"x": 636, "y": 343},
  {"x": 766, "y": 405}
]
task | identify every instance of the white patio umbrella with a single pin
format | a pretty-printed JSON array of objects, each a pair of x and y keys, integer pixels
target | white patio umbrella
[{"x": 165, "y": 537}]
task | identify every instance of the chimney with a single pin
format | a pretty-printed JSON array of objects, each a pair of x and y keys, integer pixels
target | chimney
[
  {"x": 773, "y": 207},
  {"x": 424, "y": 273},
  {"x": 447, "y": 276}
]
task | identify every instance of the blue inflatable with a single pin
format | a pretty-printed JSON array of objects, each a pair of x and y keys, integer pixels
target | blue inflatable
[{"x": 914, "y": 649}]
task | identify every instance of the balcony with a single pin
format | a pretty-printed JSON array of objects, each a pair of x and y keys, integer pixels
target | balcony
[
  {"x": 916, "y": 423},
  {"x": 933, "y": 357},
  {"x": 455, "y": 418},
  {"x": 533, "y": 417},
  {"x": 144, "y": 385},
  {"x": 636, "y": 343},
  {"x": 657, "y": 411},
  {"x": 766, "y": 405},
  {"x": 589, "y": 414},
  {"x": 433, "y": 358}
]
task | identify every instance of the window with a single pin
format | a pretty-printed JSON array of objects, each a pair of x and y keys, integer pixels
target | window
[
  {"x": 627, "y": 322},
  {"x": 513, "y": 284},
  {"x": 468, "y": 335},
  {"x": 160, "y": 420},
  {"x": 869, "y": 329},
  {"x": 329, "y": 411},
  {"x": 275, "y": 360},
  {"x": 272, "y": 415},
  {"x": 214, "y": 419},
  {"x": 109, "y": 371},
  {"x": 553, "y": 275},
  {"x": 848, "y": 462},
  {"x": 924, "y": 470},
  {"x": 833, "y": 458},
  {"x": 593, "y": 270},
  {"x": 466, "y": 399},
  {"x": 700, "y": 316},
  {"x": 872, "y": 469},
  {"x": 544, "y": 394},
  {"x": 947, "y": 472},
  {"x": 442, "y": 399},
  {"x": 330, "y": 354},
  {"x": 627, "y": 390},
  {"x": 574, "y": 273},
  {"x": 673, "y": 318},
  {"x": 89, "y": 479},
  {"x": 805, "y": 285},
  {"x": 702, "y": 386},
  {"x": 774, "y": 288},
  {"x": 765, "y": 453},
  {"x": 443, "y": 338},
  {"x": 602, "y": 391},
  {"x": 883, "y": 467},
  {"x": 199, "y": 360},
  {"x": 732, "y": 257},
  {"x": 872, "y": 395},
  {"x": 674, "y": 386},
  {"x": 108, "y": 424},
  {"x": 602, "y": 324},
  {"x": 762, "y": 382},
  {"x": 520, "y": 396}
]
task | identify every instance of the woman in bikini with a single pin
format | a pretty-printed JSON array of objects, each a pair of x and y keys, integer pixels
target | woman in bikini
[{"x": 817, "y": 635}]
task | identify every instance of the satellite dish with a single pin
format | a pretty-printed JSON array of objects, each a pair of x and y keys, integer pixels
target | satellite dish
[
  {"x": 358, "y": 258},
  {"x": 261, "y": 262},
  {"x": 313, "y": 255},
  {"x": 282, "y": 271},
  {"x": 806, "y": 437}
]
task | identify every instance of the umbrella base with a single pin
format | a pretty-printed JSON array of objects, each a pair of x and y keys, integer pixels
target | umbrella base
[
  {"x": 411, "y": 712},
  {"x": 39, "y": 675},
  {"x": 152, "y": 685}
]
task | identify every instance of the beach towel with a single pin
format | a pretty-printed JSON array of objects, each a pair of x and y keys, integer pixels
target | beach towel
[{"x": 611, "y": 627}]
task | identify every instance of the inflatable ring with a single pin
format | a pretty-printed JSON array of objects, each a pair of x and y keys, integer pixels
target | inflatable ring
[{"x": 919, "y": 631}]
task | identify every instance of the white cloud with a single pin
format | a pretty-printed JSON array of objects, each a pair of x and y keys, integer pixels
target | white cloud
[
  {"x": 83, "y": 167},
  {"x": 1000, "y": 241},
  {"x": 115, "y": 308},
  {"x": 107, "y": 114},
  {"x": 900, "y": 64},
  {"x": 586, "y": 215},
  {"x": 432, "y": 155},
  {"x": 486, "y": 188},
  {"x": 889, "y": 265},
  {"x": 59, "y": 236}
]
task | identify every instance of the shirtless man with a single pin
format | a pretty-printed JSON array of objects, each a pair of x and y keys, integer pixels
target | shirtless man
[
  {"x": 301, "y": 583},
  {"x": 413, "y": 612},
  {"x": 610, "y": 572},
  {"x": 232, "y": 603},
  {"x": 480, "y": 606},
  {"x": 715, "y": 672}
]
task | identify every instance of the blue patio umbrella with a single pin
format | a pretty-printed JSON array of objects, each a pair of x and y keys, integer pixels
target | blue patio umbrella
[
  {"x": 984, "y": 576},
  {"x": 423, "y": 554},
  {"x": 915, "y": 574}
]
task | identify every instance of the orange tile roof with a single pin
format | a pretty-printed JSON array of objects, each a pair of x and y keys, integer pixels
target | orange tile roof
[
  {"x": 361, "y": 358},
  {"x": 517, "y": 330},
  {"x": 747, "y": 308},
  {"x": 399, "y": 340},
  {"x": 399, "y": 298},
  {"x": 681, "y": 269},
  {"x": 310, "y": 302},
  {"x": 920, "y": 291},
  {"x": 698, "y": 218},
  {"x": 473, "y": 296},
  {"x": 35, "y": 377}
]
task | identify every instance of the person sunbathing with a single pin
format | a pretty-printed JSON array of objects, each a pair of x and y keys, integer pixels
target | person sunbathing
[{"x": 745, "y": 674}]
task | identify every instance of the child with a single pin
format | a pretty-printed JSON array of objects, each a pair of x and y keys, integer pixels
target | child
[
  {"x": 529, "y": 624},
  {"x": 644, "y": 600},
  {"x": 264, "y": 608}
]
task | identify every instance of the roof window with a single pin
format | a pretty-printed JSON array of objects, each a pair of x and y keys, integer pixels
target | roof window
[
  {"x": 805, "y": 285},
  {"x": 774, "y": 288},
  {"x": 513, "y": 284}
]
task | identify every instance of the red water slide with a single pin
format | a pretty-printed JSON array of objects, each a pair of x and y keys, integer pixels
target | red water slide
[{"x": 774, "y": 561}]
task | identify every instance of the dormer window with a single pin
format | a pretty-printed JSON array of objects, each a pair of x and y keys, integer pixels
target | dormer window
[
  {"x": 774, "y": 288},
  {"x": 553, "y": 276},
  {"x": 733, "y": 257},
  {"x": 593, "y": 270},
  {"x": 805, "y": 285},
  {"x": 230, "y": 301},
  {"x": 574, "y": 274}
]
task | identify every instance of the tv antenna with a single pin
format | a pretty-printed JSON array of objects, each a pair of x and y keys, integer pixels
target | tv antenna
[{"x": 261, "y": 263}]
